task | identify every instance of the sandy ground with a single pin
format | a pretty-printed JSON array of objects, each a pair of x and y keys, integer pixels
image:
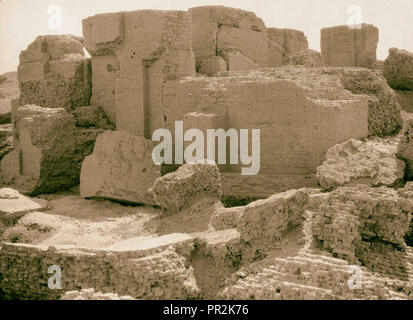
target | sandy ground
[{"x": 71, "y": 220}]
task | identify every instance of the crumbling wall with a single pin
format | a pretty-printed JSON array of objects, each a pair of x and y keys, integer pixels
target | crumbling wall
[
  {"x": 343, "y": 46},
  {"x": 217, "y": 29},
  {"x": 384, "y": 117},
  {"x": 140, "y": 50},
  {"x": 54, "y": 73},
  {"x": 282, "y": 44},
  {"x": 158, "y": 274},
  {"x": 48, "y": 150},
  {"x": 363, "y": 224},
  {"x": 405, "y": 147}
]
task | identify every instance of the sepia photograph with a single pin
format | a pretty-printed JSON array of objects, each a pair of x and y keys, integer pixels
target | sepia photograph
[{"x": 203, "y": 156}]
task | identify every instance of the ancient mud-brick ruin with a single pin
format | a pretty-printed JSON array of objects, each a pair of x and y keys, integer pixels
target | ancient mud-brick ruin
[{"x": 332, "y": 191}]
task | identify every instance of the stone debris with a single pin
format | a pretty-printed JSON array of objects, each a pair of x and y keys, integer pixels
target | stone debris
[
  {"x": 384, "y": 117},
  {"x": 343, "y": 46},
  {"x": 186, "y": 186},
  {"x": 311, "y": 276},
  {"x": 307, "y": 58},
  {"x": 284, "y": 44},
  {"x": 398, "y": 69},
  {"x": 263, "y": 222},
  {"x": 120, "y": 168},
  {"x": 405, "y": 149},
  {"x": 91, "y": 294},
  {"x": 54, "y": 73},
  {"x": 48, "y": 150},
  {"x": 373, "y": 162},
  {"x": 6, "y": 140},
  {"x": 363, "y": 224}
]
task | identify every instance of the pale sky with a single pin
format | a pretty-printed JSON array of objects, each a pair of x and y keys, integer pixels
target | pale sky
[{"x": 22, "y": 20}]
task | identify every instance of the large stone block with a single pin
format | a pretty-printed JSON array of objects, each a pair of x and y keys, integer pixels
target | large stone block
[
  {"x": 398, "y": 69},
  {"x": 344, "y": 46},
  {"x": 263, "y": 222},
  {"x": 131, "y": 61},
  {"x": 282, "y": 43},
  {"x": 216, "y": 28},
  {"x": 373, "y": 163},
  {"x": 186, "y": 186},
  {"x": 61, "y": 80},
  {"x": 121, "y": 168},
  {"x": 49, "y": 150}
]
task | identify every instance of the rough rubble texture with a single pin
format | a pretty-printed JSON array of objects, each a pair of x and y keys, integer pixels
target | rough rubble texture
[
  {"x": 405, "y": 148},
  {"x": 184, "y": 187},
  {"x": 54, "y": 73},
  {"x": 265, "y": 221},
  {"x": 398, "y": 69},
  {"x": 307, "y": 58},
  {"x": 363, "y": 224},
  {"x": 48, "y": 150},
  {"x": 373, "y": 162},
  {"x": 343, "y": 46},
  {"x": 120, "y": 168},
  {"x": 92, "y": 116},
  {"x": 6, "y": 140},
  {"x": 91, "y": 294},
  {"x": 384, "y": 111}
]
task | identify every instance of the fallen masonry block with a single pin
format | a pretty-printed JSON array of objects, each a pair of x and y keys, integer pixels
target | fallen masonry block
[
  {"x": 186, "y": 186},
  {"x": 373, "y": 162},
  {"x": 263, "y": 222},
  {"x": 398, "y": 69},
  {"x": 283, "y": 44},
  {"x": 54, "y": 73},
  {"x": 92, "y": 116},
  {"x": 384, "y": 117},
  {"x": 120, "y": 168},
  {"x": 405, "y": 149},
  {"x": 345, "y": 46},
  {"x": 349, "y": 220},
  {"x": 49, "y": 150},
  {"x": 14, "y": 205}
]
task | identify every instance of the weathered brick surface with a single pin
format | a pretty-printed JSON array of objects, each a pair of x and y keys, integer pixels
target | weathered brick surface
[{"x": 343, "y": 46}]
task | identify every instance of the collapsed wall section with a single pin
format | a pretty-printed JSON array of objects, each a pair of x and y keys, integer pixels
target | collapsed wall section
[{"x": 54, "y": 73}]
